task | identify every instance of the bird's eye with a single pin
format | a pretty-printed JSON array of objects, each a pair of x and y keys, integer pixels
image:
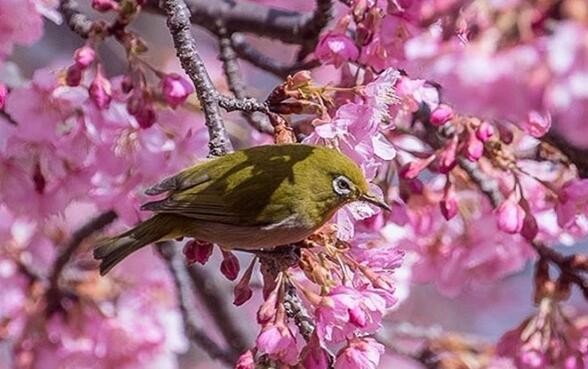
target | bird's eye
[{"x": 342, "y": 185}]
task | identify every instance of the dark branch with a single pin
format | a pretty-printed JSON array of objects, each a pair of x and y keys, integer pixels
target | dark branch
[
  {"x": 220, "y": 307},
  {"x": 246, "y": 104},
  {"x": 236, "y": 85},
  {"x": 196, "y": 333},
  {"x": 485, "y": 183},
  {"x": 75, "y": 20},
  {"x": 576, "y": 155},
  {"x": 53, "y": 292},
  {"x": 565, "y": 264},
  {"x": 178, "y": 22},
  {"x": 295, "y": 310},
  {"x": 248, "y": 17},
  {"x": 264, "y": 62},
  {"x": 312, "y": 29}
]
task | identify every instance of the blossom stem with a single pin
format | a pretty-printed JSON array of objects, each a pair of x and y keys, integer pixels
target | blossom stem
[
  {"x": 53, "y": 292},
  {"x": 182, "y": 281}
]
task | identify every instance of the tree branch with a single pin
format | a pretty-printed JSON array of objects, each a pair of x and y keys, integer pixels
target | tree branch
[
  {"x": 566, "y": 265},
  {"x": 312, "y": 29},
  {"x": 181, "y": 279},
  {"x": 53, "y": 292},
  {"x": 295, "y": 310},
  {"x": 264, "y": 62},
  {"x": 75, "y": 20},
  {"x": 178, "y": 22},
  {"x": 219, "y": 306},
  {"x": 236, "y": 85},
  {"x": 248, "y": 17},
  {"x": 485, "y": 183},
  {"x": 576, "y": 155}
]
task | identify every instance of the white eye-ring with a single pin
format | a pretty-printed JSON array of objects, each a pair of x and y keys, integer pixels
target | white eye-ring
[{"x": 342, "y": 185}]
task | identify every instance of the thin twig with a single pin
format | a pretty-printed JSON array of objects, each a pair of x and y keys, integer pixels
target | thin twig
[
  {"x": 565, "y": 264},
  {"x": 8, "y": 118},
  {"x": 244, "y": 16},
  {"x": 485, "y": 183},
  {"x": 312, "y": 29},
  {"x": 75, "y": 20},
  {"x": 220, "y": 308},
  {"x": 178, "y": 22},
  {"x": 196, "y": 333},
  {"x": 53, "y": 292},
  {"x": 236, "y": 85},
  {"x": 264, "y": 62},
  {"x": 578, "y": 156}
]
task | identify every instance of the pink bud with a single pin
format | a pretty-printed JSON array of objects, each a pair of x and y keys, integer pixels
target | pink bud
[
  {"x": 230, "y": 265},
  {"x": 146, "y": 117},
  {"x": 197, "y": 251},
  {"x": 104, "y": 5},
  {"x": 242, "y": 290},
  {"x": 84, "y": 56},
  {"x": 510, "y": 216},
  {"x": 3, "y": 94},
  {"x": 505, "y": 133},
  {"x": 314, "y": 355},
  {"x": 126, "y": 85},
  {"x": 446, "y": 158},
  {"x": 246, "y": 361},
  {"x": 441, "y": 115},
  {"x": 530, "y": 227},
  {"x": 175, "y": 89},
  {"x": 412, "y": 169},
  {"x": 267, "y": 311},
  {"x": 73, "y": 76},
  {"x": 474, "y": 148},
  {"x": 484, "y": 131},
  {"x": 448, "y": 204},
  {"x": 536, "y": 124},
  {"x": 100, "y": 90}
]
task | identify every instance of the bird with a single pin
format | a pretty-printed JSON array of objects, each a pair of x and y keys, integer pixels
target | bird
[{"x": 252, "y": 199}]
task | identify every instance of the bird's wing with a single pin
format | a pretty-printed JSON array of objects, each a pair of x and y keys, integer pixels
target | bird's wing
[
  {"x": 239, "y": 193},
  {"x": 187, "y": 178}
]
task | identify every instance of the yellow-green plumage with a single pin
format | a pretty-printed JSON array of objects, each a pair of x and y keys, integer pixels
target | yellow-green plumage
[{"x": 256, "y": 198}]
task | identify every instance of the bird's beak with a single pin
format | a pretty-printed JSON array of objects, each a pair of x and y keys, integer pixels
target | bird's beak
[{"x": 375, "y": 201}]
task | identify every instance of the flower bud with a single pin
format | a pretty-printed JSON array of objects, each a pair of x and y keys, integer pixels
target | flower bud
[
  {"x": 3, "y": 95},
  {"x": 530, "y": 227},
  {"x": 448, "y": 204},
  {"x": 84, "y": 56},
  {"x": 474, "y": 148},
  {"x": 412, "y": 169},
  {"x": 536, "y": 124},
  {"x": 242, "y": 290},
  {"x": 229, "y": 266},
  {"x": 484, "y": 131},
  {"x": 510, "y": 216},
  {"x": 505, "y": 133},
  {"x": 127, "y": 85},
  {"x": 197, "y": 251},
  {"x": 175, "y": 89},
  {"x": 246, "y": 361},
  {"x": 73, "y": 76},
  {"x": 104, "y": 5},
  {"x": 100, "y": 90},
  {"x": 446, "y": 158},
  {"x": 441, "y": 115},
  {"x": 298, "y": 80},
  {"x": 314, "y": 355},
  {"x": 267, "y": 310}
]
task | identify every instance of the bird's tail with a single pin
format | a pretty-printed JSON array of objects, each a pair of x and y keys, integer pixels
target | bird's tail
[{"x": 113, "y": 250}]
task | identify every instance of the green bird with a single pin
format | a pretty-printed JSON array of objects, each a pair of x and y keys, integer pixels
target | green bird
[{"x": 253, "y": 199}]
